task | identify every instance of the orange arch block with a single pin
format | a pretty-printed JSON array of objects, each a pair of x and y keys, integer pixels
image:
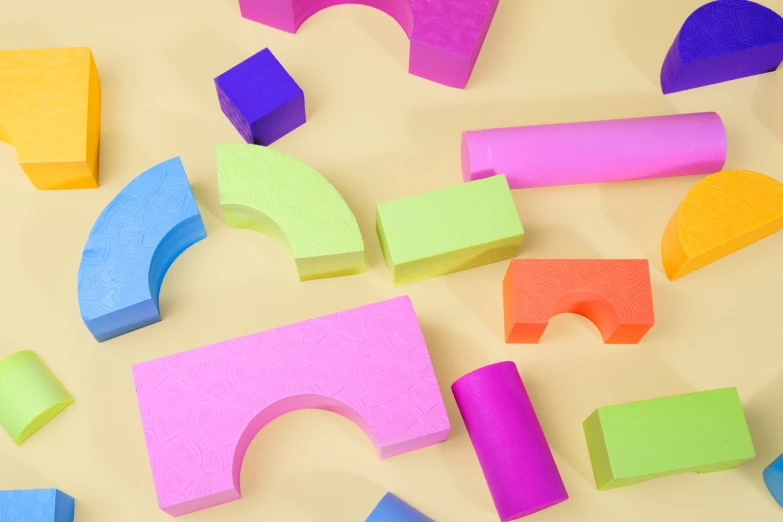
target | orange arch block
[
  {"x": 721, "y": 214},
  {"x": 615, "y": 295},
  {"x": 50, "y": 111}
]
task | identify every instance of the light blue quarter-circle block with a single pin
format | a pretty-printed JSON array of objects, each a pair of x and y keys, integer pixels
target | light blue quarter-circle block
[
  {"x": 131, "y": 247},
  {"x": 394, "y": 509},
  {"x": 36, "y": 505},
  {"x": 773, "y": 478}
]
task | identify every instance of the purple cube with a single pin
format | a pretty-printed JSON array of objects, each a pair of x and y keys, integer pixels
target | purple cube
[{"x": 261, "y": 99}]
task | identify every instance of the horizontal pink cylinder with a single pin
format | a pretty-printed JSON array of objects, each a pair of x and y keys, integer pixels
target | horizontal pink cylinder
[
  {"x": 597, "y": 151},
  {"x": 511, "y": 447}
]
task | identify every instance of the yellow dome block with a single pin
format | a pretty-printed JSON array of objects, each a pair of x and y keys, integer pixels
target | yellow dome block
[
  {"x": 723, "y": 213},
  {"x": 50, "y": 111}
]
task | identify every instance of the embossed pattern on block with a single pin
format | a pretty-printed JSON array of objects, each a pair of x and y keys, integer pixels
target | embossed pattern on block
[
  {"x": 616, "y": 295},
  {"x": 278, "y": 195},
  {"x": 50, "y": 109},
  {"x": 201, "y": 409},
  {"x": 721, "y": 41},
  {"x": 446, "y": 35},
  {"x": 36, "y": 505},
  {"x": 721, "y": 214},
  {"x": 131, "y": 247}
]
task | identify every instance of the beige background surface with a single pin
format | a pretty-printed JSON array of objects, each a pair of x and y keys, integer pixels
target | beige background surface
[{"x": 378, "y": 133}]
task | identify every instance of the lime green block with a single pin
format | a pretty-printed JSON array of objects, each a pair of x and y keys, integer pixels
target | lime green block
[
  {"x": 30, "y": 395},
  {"x": 278, "y": 195},
  {"x": 700, "y": 432},
  {"x": 448, "y": 230}
]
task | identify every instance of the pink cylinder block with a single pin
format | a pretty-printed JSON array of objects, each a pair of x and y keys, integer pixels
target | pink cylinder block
[
  {"x": 597, "y": 151},
  {"x": 511, "y": 447}
]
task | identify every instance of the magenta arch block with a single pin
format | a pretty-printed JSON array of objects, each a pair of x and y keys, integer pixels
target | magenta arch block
[
  {"x": 201, "y": 409},
  {"x": 445, "y": 35},
  {"x": 722, "y": 41}
]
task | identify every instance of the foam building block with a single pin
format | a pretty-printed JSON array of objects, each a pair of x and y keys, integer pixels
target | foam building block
[
  {"x": 445, "y": 35},
  {"x": 130, "y": 248},
  {"x": 721, "y": 214},
  {"x": 511, "y": 447},
  {"x": 773, "y": 478},
  {"x": 393, "y": 509},
  {"x": 30, "y": 395},
  {"x": 697, "y": 432},
  {"x": 261, "y": 99},
  {"x": 36, "y": 505},
  {"x": 278, "y": 195},
  {"x": 597, "y": 151},
  {"x": 722, "y": 41},
  {"x": 50, "y": 112},
  {"x": 616, "y": 295},
  {"x": 201, "y": 409},
  {"x": 448, "y": 230}
]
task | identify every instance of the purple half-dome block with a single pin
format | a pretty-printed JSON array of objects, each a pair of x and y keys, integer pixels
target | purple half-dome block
[{"x": 721, "y": 41}]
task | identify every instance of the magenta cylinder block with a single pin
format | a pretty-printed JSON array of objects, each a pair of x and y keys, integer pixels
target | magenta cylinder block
[{"x": 511, "y": 447}]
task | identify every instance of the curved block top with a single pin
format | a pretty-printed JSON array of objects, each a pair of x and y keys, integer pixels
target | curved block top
[
  {"x": 446, "y": 35},
  {"x": 615, "y": 294},
  {"x": 50, "y": 111},
  {"x": 721, "y": 41},
  {"x": 131, "y": 246},
  {"x": 278, "y": 195},
  {"x": 720, "y": 215},
  {"x": 30, "y": 395},
  {"x": 201, "y": 409},
  {"x": 773, "y": 479},
  {"x": 36, "y": 505}
]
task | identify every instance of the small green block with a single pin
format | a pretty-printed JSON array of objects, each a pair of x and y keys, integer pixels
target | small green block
[
  {"x": 700, "y": 432},
  {"x": 448, "y": 230}
]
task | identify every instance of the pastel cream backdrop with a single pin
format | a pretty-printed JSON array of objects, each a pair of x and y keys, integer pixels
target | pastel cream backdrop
[{"x": 377, "y": 133}]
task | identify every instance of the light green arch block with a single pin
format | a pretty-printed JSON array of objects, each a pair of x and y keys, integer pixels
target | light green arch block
[{"x": 275, "y": 194}]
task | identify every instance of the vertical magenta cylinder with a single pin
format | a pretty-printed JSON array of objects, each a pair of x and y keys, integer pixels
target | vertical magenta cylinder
[{"x": 511, "y": 447}]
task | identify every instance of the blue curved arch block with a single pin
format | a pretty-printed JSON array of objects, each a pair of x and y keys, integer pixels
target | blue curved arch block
[
  {"x": 721, "y": 41},
  {"x": 131, "y": 246},
  {"x": 36, "y": 505},
  {"x": 773, "y": 478},
  {"x": 394, "y": 509}
]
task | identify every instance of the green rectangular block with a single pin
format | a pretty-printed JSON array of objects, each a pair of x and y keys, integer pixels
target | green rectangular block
[
  {"x": 448, "y": 230},
  {"x": 701, "y": 432}
]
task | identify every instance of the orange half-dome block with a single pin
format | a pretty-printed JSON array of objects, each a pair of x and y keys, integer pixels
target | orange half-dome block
[
  {"x": 723, "y": 213},
  {"x": 50, "y": 111},
  {"x": 616, "y": 295}
]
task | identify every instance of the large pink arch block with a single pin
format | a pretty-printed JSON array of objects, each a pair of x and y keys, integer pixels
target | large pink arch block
[
  {"x": 446, "y": 35},
  {"x": 201, "y": 409}
]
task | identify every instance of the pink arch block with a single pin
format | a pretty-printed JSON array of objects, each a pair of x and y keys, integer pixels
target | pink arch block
[
  {"x": 201, "y": 409},
  {"x": 446, "y": 35}
]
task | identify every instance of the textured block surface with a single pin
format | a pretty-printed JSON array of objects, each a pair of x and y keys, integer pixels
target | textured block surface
[
  {"x": 133, "y": 243},
  {"x": 36, "y": 505},
  {"x": 445, "y": 35},
  {"x": 50, "y": 111},
  {"x": 597, "y": 151},
  {"x": 701, "y": 432},
  {"x": 518, "y": 465},
  {"x": 773, "y": 478},
  {"x": 278, "y": 195},
  {"x": 394, "y": 509},
  {"x": 448, "y": 230},
  {"x": 721, "y": 214},
  {"x": 722, "y": 41},
  {"x": 30, "y": 395},
  {"x": 201, "y": 409},
  {"x": 616, "y": 295},
  {"x": 261, "y": 99}
]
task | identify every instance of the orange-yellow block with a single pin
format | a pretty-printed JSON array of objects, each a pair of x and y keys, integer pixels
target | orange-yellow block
[
  {"x": 50, "y": 111},
  {"x": 723, "y": 213}
]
